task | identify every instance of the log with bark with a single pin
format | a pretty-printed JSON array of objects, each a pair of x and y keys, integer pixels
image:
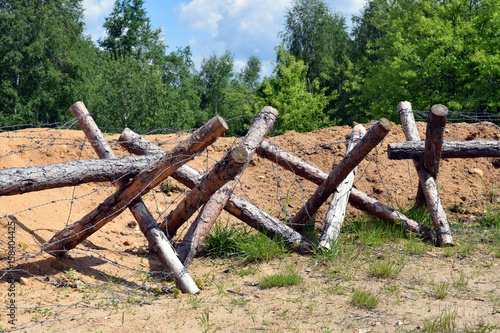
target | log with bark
[
  {"x": 357, "y": 198},
  {"x": 147, "y": 179},
  {"x": 221, "y": 173},
  {"x": 237, "y": 206},
  {"x": 158, "y": 243},
  {"x": 336, "y": 211},
  {"x": 426, "y": 180},
  {"x": 201, "y": 226},
  {"x": 340, "y": 172},
  {"x": 450, "y": 149}
]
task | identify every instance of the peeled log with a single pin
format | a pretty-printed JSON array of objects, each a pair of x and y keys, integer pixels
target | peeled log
[
  {"x": 340, "y": 172},
  {"x": 426, "y": 180},
  {"x": 449, "y": 149},
  {"x": 357, "y": 198},
  {"x": 147, "y": 179},
  {"x": 336, "y": 211},
  {"x": 237, "y": 206}
]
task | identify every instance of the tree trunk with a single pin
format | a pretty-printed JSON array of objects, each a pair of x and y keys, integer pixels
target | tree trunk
[
  {"x": 428, "y": 184},
  {"x": 336, "y": 211},
  {"x": 340, "y": 172},
  {"x": 450, "y": 149},
  {"x": 357, "y": 198},
  {"x": 236, "y": 206},
  {"x": 147, "y": 179}
]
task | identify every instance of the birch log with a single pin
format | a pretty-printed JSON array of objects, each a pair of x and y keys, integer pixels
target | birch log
[
  {"x": 236, "y": 206},
  {"x": 213, "y": 207},
  {"x": 340, "y": 172},
  {"x": 158, "y": 243},
  {"x": 336, "y": 211},
  {"x": 147, "y": 179},
  {"x": 428, "y": 184},
  {"x": 357, "y": 198},
  {"x": 450, "y": 149},
  {"x": 436, "y": 121}
]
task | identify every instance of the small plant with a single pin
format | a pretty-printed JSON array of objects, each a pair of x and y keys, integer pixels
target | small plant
[
  {"x": 194, "y": 301},
  {"x": 441, "y": 289},
  {"x": 205, "y": 322},
  {"x": 445, "y": 322},
  {"x": 385, "y": 268},
  {"x": 462, "y": 282},
  {"x": 288, "y": 278},
  {"x": 223, "y": 241},
  {"x": 364, "y": 299}
]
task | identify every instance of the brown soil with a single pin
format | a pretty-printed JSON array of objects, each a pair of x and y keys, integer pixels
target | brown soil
[{"x": 99, "y": 285}]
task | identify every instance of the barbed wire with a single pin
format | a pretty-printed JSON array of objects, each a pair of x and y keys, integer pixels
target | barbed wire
[{"x": 119, "y": 280}]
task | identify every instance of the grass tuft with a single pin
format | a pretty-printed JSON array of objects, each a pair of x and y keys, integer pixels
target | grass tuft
[
  {"x": 364, "y": 299},
  {"x": 290, "y": 277}
]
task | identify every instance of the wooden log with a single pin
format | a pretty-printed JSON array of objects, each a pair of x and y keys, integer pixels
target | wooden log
[
  {"x": 450, "y": 149},
  {"x": 147, "y": 179},
  {"x": 213, "y": 207},
  {"x": 157, "y": 240},
  {"x": 357, "y": 198},
  {"x": 237, "y": 206},
  {"x": 221, "y": 173},
  {"x": 336, "y": 211},
  {"x": 436, "y": 121},
  {"x": 428, "y": 184},
  {"x": 340, "y": 172},
  {"x": 42, "y": 177}
]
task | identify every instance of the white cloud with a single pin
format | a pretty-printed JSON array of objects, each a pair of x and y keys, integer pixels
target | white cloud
[
  {"x": 200, "y": 15},
  {"x": 96, "y": 9}
]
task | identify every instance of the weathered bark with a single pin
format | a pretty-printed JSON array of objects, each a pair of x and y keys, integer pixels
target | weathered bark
[
  {"x": 147, "y": 179},
  {"x": 450, "y": 149},
  {"x": 436, "y": 122},
  {"x": 214, "y": 206},
  {"x": 428, "y": 184},
  {"x": 340, "y": 172},
  {"x": 158, "y": 243},
  {"x": 336, "y": 211},
  {"x": 237, "y": 206},
  {"x": 221, "y": 173},
  {"x": 357, "y": 198},
  {"x": 42, "y": 177}
]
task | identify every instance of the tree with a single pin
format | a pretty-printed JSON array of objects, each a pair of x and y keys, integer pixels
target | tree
[
  {"x": 434, "y": 52},
  {"x": 250, "y": 74},
  {"x": 288, "y": 91},
  {"x": 43, "y": 55}
]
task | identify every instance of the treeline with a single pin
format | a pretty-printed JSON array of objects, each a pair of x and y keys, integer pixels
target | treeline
[{"x": 425, "y": 51}]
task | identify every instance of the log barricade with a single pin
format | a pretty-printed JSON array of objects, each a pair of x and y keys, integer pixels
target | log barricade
[
  {"x": 426, "y": 179},
  {"x": 449, "y": 149},
  {"x": 147, "y": 179},
  {"x": 157, "y": 240}
]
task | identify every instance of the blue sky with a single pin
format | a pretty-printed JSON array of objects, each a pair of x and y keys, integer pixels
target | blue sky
[{"x": 245, "y": 27}]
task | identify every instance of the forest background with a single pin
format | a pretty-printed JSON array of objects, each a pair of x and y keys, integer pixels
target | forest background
[{"x": 425, "y": 51}]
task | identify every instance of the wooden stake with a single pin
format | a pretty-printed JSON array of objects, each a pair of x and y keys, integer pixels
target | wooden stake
[
  {"x": 237, "y": 206},
  {"x": 426, "y": 180},
  {"x": 436, "y": 122},
  {"x": 450, "y": 149},
  {"x": 340, "y": 172},
  {"x": 221, "y": 173},
  {"x": 147, "y": 179},
  {"x": 336, "y": 211},
  {"x": 158, "y": 243},
  {"x": 214, "y": 206},
  {"x": 357, "y": 198}
]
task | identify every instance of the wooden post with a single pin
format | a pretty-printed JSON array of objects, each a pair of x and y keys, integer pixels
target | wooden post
[
  {"x": 428, "y": 184},
  {"x": 158, "y": 243},
  {"x": 221, "y": 173},
  {"x": 42, "y": 177},
  {"x": 237, "y": 206},
  {"x": 147, "y": 179},
  {"x": 357, "y": 198},
  {"x": 336, "y": 211},
  {"x": 340, "y": 172},
  {"x": 436, "y": 122},
  {"x": 214, "y": 206},
  {"x": 450, "y": 149}
]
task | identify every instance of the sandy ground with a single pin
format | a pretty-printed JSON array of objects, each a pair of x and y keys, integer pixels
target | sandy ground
[{"x": 100, "y": 285}]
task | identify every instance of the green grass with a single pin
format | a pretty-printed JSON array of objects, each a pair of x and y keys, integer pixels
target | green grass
[
  {"x": 444, "y": 323},
  {"x": 441, "y": 289},
  {"x": 364, "y": 299},
  {"x": 290, "y": 277},
  {"x": 385, "y": 268},
  {"x": 373, "y": 232}
]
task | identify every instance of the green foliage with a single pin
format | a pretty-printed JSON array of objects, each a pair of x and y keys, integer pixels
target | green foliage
[
  {"x": 364, "y": 299},
  {"x": 299, "y": 108},
  {"x": 290, "y": 277}
]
